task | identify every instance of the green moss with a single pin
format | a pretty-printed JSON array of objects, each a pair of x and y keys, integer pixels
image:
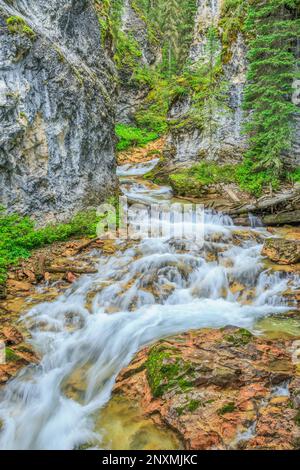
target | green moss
[
  {"x": 130, "y": 136},
  {"x": 186, "y": 185},
  {"x": 240, "y": 338},
  {"x": 191, "y": 182},
  {"x": 233, "y": 15},
  {"x": 17, "y": 25},
  {"x": 18, "y": 235},
  {"x": 294, "y": 176},
  {"x": 11, "y": 356},
  {"x": 193, "y": 405},
  {"x": 166, "y": 371},
  {"x": 228, "y": 408},
  {"x": 297, "y": 418}
]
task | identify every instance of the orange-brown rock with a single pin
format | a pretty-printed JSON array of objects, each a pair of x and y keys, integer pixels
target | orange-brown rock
[
  {"x": 219, "y": 389},
  {"x": 282, "y": 251}
]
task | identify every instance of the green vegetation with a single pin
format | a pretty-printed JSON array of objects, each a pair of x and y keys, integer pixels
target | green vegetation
[
  {"x": 192, "y": 180},
  {"x": 294, "y": 175},
  {"x": 166, "y": 371},
  {"x": 130, "y": 136},
  {"x": 18, "y": 235},
  {"x": 228, "y": 408},
  {"x": 193, "y": 405},
  {"x": 272, "y": 27},
  {"x": 11, "y": 356},
  {"x": 168, "y": 26},
  {"x": 16, "y": 25},
  {"x": 241, "y": 337}
]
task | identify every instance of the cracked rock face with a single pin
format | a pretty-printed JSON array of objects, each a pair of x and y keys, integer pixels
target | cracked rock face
[{"x": 56, "y": 109}]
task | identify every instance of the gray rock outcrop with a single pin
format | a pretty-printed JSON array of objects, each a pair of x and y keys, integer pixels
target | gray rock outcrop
[{"x": 57, "y": 91}]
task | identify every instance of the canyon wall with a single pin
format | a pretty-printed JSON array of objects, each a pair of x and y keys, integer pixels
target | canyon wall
[
  {"x": 224, "y": 141},
  {"x": 57, "y": 110}
]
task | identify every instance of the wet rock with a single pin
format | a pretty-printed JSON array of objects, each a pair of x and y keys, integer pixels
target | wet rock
[
  {"x": 219, "y": 389},
  {"x": 56, "y": 157},
  {"x": 282, "y": 251},
  {"x": 11, "y": 335}
]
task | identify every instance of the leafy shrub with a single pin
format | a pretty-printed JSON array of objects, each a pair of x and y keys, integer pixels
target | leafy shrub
[{"x": 254, "y": 181}]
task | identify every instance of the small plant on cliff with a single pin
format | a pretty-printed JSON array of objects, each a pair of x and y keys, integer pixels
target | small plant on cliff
[
  {"x": 17, "y": 25},
  {"x": 272, "y": 27}
]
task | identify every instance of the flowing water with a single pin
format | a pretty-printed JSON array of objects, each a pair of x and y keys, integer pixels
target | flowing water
[{"x": 156, "y": 287}]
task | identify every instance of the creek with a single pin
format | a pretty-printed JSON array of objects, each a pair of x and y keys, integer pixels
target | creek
[{"x": 148, "y": 289}]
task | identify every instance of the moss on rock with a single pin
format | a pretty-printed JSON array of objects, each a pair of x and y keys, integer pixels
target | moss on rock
[{"x": 17, "y": 25}]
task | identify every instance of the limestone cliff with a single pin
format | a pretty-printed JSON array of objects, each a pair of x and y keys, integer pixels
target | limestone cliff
[
  {"x": 224, "y": 141},
  {"x": 57, "y": 92}
]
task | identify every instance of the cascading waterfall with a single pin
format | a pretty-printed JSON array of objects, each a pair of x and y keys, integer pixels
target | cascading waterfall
[{"x": 156, "y": 287}]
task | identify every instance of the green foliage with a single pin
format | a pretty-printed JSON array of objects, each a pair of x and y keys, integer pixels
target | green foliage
[
  {"x": 133, "y": 137},
  {"x": 17, "y": 25},
  {"x": 170, "y": 22},
  {"x": 190, "y": 182},
  {"x": 169, "y": 26},
  {"x": 11, "y": 356},
  {"x": 253, "y": 180},
  {"x": 166, "y": 371},
  {"x": 241, "y": 337},
  {"x": 228, "y": 408},
  {"x": 152, "y": 114},
  {"x": 231, "y": 23},
  {"x": 294, "y": 176},
  {"x": 18, "y": 235},
  {"x": 273, "y": 28},
  {"x": 193, "y": 405}
]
